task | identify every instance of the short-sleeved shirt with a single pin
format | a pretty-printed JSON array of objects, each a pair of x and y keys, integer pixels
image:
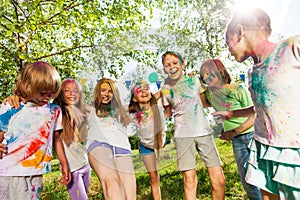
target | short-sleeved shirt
[
  {"x": 145, "y": 128},
  {"x": 275, "y": 89},
  {"x": 232, "y": 97},
  {"x": 189, "y": 117},
  {"x": 75, "y": 153},
  {"x": 28, "y": 136},
  {"x": 107, "y": 130}
]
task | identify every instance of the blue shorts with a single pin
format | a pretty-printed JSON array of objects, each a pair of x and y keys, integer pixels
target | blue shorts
[{"x": 145, "y": 150}]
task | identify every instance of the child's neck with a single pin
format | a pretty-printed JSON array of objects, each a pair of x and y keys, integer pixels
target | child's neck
[
  {"x": 145, "y": 106},
  {"x": 173, "y": 81}
]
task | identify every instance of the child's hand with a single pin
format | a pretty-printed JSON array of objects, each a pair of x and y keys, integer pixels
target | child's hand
[
  {"x": 3, "y": 150},
  {"x": 228, "y": 135},
  {"x": 223, "y": 114},
  {"x": 76, "y": 115},
  {"x": 14, "y": 101},
  {"x": 66, "y": 176}
]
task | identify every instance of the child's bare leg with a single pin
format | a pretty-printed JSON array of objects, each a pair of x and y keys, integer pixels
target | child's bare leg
[
  {"x": 101, "y": 160},
  {"x": 150, "y": 164},
  {"x": 217, "y": 180},
  {"x": 190, "y": 184},
  {"x": 127, "y": 176}
]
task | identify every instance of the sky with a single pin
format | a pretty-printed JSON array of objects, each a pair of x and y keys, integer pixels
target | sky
[{"x": 284, "y": 14}]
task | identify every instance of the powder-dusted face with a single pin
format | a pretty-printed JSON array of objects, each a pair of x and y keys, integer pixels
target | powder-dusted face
[
  {"x": 42, "y": 97},
  {"x": 237, "y": 46},
  {"x": 173, "y": 67},
  {"x": 142, "y": 93},
  {"x": 71, "y": 93},
  {"x": 106, "y": 93},
  {"x": 209, "y": 77}
]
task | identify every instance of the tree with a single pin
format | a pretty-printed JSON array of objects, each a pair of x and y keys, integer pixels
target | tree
[
  {"x": 194, "y": 28},
  {"x": 72, "y": 35}
]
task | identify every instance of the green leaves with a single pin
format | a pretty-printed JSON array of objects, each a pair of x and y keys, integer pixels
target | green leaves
[{"x": 67, "y": 34}]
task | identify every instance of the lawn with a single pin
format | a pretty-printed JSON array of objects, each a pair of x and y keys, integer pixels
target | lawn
[{"x": 171, "y": 178}]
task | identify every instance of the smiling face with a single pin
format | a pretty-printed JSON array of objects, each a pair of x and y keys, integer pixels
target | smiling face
[
  {"x": 142, "y": 94},
  {"x": 173, "y": 67},
  {"x": 71, "y": 93},
  {"x": 106, "y": 93},
  {"x": 209, "y": 78}
]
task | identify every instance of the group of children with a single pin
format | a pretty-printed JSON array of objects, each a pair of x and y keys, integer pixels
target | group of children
[{"x": 268, "y": 170}]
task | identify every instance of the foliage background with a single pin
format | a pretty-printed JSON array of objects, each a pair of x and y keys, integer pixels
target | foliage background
[{"x": 89, "y": 39}]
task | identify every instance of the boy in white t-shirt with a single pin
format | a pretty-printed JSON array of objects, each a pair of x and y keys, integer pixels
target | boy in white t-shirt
[{"x": 181, "y": 97}]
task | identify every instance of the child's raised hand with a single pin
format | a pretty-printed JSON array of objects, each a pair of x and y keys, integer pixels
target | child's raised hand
[
  {"x": 76, "y": 114},
  {"x": 14, "y": 101}
]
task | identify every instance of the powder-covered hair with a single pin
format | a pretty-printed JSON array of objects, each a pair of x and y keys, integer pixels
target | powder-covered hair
[
  {"x": 216, "y": 67},
  {"x": 68, "y": 121},
  {"x": 172, "y": 53},
  {"x": 36, "y": 77},
  {"x": 255, "y": 19},
  {"x": 114, "y": 108},
  {"x": 135, "y": 108}
]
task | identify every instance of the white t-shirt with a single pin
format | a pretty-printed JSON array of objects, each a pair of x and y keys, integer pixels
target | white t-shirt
[
  {"x": 145, "y": 128},
  {"x": 274, "y": 85},
  {"x": 76, "y": 154},
  {"x": 28, "y": 136},
  {"x": 189, "y": 117},
  {"x": 108, "y": 130}
]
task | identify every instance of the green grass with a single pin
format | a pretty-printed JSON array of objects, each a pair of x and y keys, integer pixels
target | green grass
[{"x": 171, "y": 179}]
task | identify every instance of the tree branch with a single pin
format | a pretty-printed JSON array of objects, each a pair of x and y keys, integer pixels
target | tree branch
[
  {"x": 64, "y": 51},
  {"x": 68, "y": 7},
  {"x": 10, "y": 53},
  {"x": 7, "y": 18},
  {"x": 4, "y": 26}
]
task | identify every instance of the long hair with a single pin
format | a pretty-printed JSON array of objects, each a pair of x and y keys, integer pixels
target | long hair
[
  {"x": 36, "y": 77},
  {"x": 114, "y": 108},
  {"x": 70, "y": 126},
  {"x": 135, "y": 108}
]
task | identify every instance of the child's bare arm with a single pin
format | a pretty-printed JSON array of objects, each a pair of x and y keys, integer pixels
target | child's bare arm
[
  {"x": 1, "y": 136},
  {"x": 2, "y": 146},
  {"x": 204, "y": 101},
  {"x": 60, "y": 152},
  {"x": 168, "y": 111},
  {"x": 14, "y": 101}
]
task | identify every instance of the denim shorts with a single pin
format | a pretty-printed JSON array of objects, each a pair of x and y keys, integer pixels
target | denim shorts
[{"x": 145, "y": 150}]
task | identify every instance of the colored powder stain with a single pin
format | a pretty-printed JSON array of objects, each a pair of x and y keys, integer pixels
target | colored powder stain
[
  {"x": 33, "y": 147},
  {"x": 171, "y": 93},
  {"x": 260, "y": 91},
  {"x": 165, "y": 92},
  {"x": 195, "y": 109},
  {"x": 185, "y": 96},
  {"x": 78, "y": 193},
  {"x": 16, "y": 150},
  {"x": 43, "y": 132},
  {"x": 39, "y": 190},
  {"x": 39, "y": 158},
  {"x": 12, "y": 139},
  {"x": 191, "y": 82}
]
